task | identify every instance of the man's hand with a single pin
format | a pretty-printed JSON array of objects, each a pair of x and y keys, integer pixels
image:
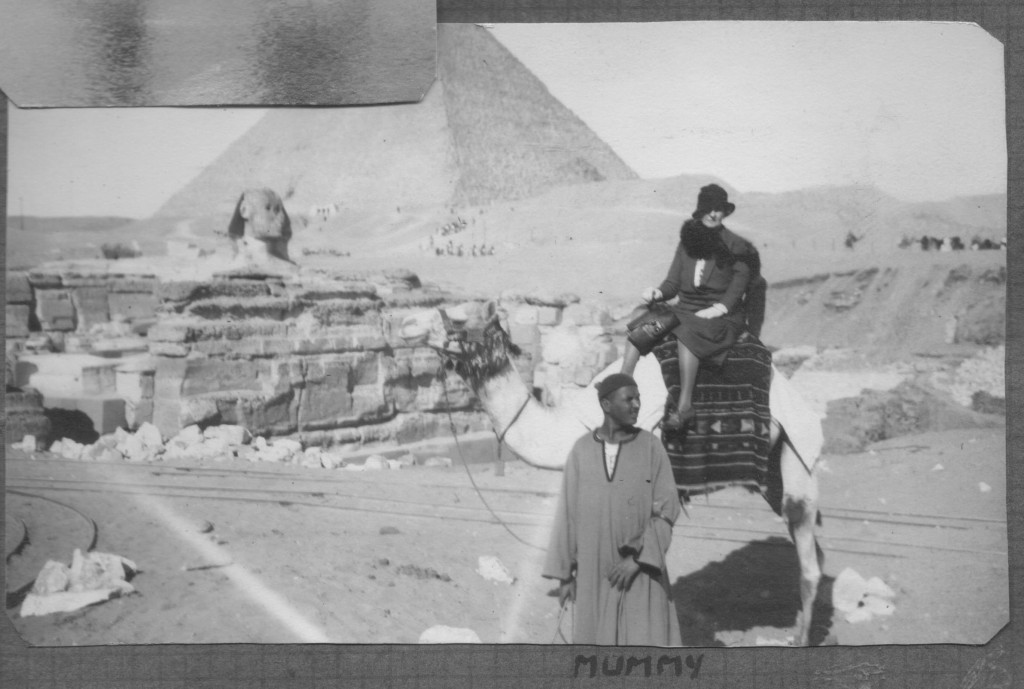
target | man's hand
[
  {"x": 623, "y": 573},
  {"x": 713, "y": 311},
  {"x": 566, "y": 591},
  {"x": 651, "y": 294}
]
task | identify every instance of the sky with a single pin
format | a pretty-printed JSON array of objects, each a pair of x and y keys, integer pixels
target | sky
[{"x": 916, "y": 109}]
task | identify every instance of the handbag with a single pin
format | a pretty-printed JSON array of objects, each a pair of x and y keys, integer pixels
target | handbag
[{"x": 648, "y": 329}]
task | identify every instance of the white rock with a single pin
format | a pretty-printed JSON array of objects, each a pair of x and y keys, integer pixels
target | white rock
[
  {"x": 984, "y": 487},
  {"x": 311, "y": 458},
  {"x": 274, "y": 454},
  {"x": 120, "y": 435},
  {"x": 150, "y": 436},
  {"x": 437, "y": 462},
  {"x": 858, "y": 599},
  {"x": 53, "y": 577},
  {"x": 938, "y": 467},
  {"x": 375, "y": 463},
  {"x": 292, "y": 446},
  {"x": 876, "y": 587},
  {"x": 70, "y": 449},
  {"x": 27, "y": 444},
  {"x": 132, "y": 448},
  {"x": 407, "y": 460},
  {"x": 492, "y": 569},
  {"x": 186, "y": 437},
  {"x": 394, "y": 464},
  {"x": 440, "y": 634},
  {"x": 232, "y": 434},
  {"x": 331, "y": 461}
]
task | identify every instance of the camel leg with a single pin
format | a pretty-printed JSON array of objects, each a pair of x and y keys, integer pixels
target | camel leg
[{"x": 800, "y": 509}]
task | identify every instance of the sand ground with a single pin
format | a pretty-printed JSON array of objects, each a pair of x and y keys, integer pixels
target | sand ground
[{"x": 236, "y": 552}]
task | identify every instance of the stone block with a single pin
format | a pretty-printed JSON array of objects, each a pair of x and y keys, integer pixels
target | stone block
[
  {"x": 525, "y": 335},
  {"x": 548, "y": 315},
  {"x": 138, "y": 412},
  {"x": 91, "y": 306},
  {"x": 64, "y": 375},
  {"x": 54, "y": 309},
  {"x": 260, "y": 413},
  {"x": 363, "y": 368},
  {"x": 17, "y": 324},
  {"x": 44, "y": 279},
  {"x": 171, "y": 330},
  {"x": 176, "y": 291},
  {"x": 212, "y": 375},
  {"x": 334, "y": 290},
  {"x": 228, "y": 308},
  {"x": 586, "y": 314},
  {"x": 236, "y": 330},
  {"x": 132, "y": 306},
  {"x": 169, "y": 349},
  {"x": 370, "y": 405},
  {"x": 524, "y": 315},
  {"x": 410, "y": 365},
  {"x": 106, "y": 412},
  {"x": 333, "y": 312},
  {"x": 440, "y": 395},
  {"x": 19, "y": 290},
  {"x": 74, "y": 280},
  {"x": 133, "y": 384},
  {"x": 249, "y": 348},
  {"x": 137, "y": 285}
]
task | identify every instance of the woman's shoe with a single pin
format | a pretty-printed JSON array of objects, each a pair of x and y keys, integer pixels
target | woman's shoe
[{"x": 678, "y": 420}]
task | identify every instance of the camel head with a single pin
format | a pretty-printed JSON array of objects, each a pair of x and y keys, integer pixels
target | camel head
[{"x": 469, "y": 338}]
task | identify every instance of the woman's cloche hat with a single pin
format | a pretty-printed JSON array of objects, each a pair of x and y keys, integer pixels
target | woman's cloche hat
[{"x": 713, "y": 198}]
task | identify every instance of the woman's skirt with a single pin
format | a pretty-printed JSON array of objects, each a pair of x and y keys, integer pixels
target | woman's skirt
[{"x": 709, "y": 339}]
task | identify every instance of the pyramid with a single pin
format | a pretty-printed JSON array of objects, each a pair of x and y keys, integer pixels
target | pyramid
[{"x": 487, "y": 130}]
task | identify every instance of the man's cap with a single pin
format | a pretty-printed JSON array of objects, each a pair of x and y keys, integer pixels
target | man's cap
[{"x": 613, "y": 383}]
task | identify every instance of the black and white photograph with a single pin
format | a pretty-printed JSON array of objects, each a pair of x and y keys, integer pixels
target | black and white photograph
[{"x": 674, "y": 335}]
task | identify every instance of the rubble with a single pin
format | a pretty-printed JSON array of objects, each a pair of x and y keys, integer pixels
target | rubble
[
  {"x": 493, "y": 569},
  {"x": 92, "y": 578},
  {"x": 860, "y": 599}
]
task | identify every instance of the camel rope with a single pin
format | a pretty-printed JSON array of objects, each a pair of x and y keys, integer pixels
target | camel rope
[{"x": 465, "y": 465}]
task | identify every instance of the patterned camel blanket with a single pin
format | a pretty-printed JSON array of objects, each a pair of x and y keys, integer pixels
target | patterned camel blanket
[{"x": 727, "y": 443}]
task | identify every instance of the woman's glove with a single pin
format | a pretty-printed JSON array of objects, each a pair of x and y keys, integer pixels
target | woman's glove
[
  {"x": 651, "y": 294},
  {"x": 713, "y": 311}
]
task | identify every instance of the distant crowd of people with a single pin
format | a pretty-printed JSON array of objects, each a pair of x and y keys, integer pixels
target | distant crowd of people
[
  {"x": 325, "y": 251},
  {"x": 458, "y": 250},
  {"x": 955, "y": 243},
  {"x": 454, "y": 227}
]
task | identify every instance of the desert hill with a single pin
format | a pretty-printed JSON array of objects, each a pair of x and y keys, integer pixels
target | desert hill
[{"x": 488, "y": 129}]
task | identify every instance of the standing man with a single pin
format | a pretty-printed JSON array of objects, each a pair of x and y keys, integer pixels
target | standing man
[{"x": 613, "y": 527}]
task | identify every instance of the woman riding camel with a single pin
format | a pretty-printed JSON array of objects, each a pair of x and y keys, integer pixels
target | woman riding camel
[{"x": 709, "y": 274}]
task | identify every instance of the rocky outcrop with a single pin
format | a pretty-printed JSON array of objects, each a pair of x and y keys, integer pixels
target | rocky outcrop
[
  {"x": 899, "y": 308},
  {"x": 852, "y": 423}
]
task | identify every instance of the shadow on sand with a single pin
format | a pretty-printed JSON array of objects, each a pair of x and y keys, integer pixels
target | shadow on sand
[{"x": 755, "y": 586}]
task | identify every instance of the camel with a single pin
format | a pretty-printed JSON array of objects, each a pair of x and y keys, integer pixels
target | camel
[{"x": 471, "y": 341}]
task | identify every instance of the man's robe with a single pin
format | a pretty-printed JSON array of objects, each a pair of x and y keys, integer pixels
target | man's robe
[{"x": 599, "y": 518}]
